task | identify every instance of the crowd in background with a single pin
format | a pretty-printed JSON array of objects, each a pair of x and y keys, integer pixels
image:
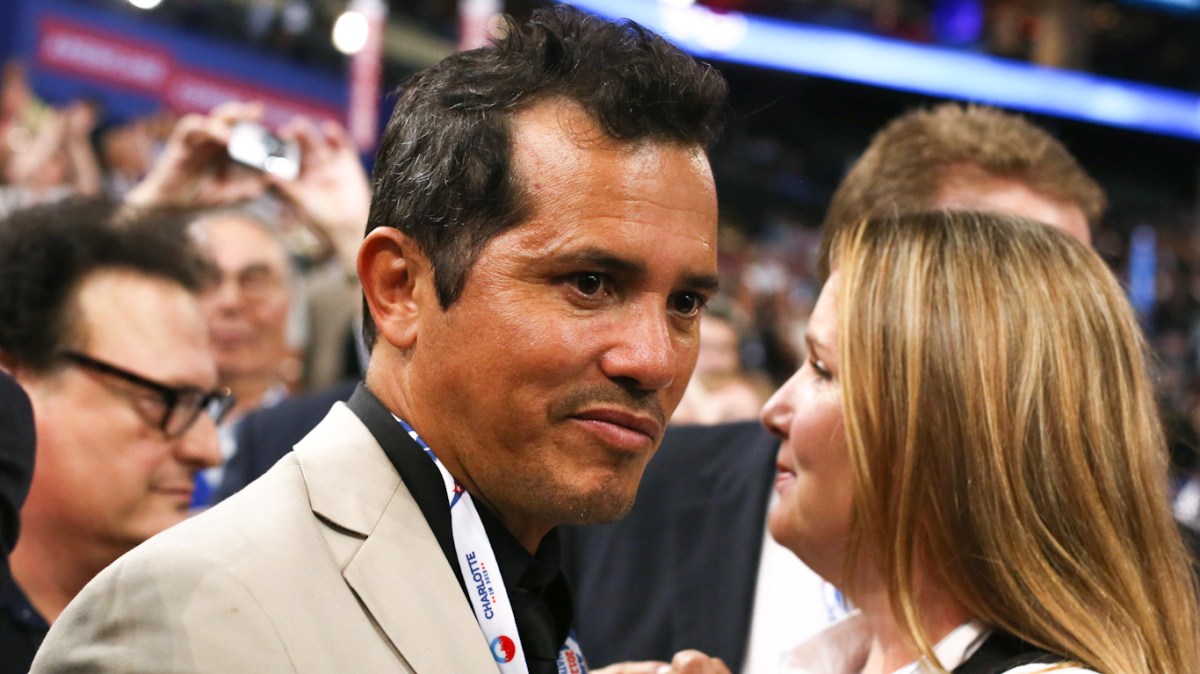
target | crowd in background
[
  {"x": 248, "y": 318},
  {"x": 769, "y": 283}
]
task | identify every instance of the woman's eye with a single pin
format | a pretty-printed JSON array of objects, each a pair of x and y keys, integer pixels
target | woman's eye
[{"x": 818, "y": 366}]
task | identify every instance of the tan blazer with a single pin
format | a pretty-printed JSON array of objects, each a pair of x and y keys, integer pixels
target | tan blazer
[{"x": 325, "y": 564}]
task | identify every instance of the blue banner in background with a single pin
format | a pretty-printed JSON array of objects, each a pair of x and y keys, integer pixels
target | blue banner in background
[
  {"x": 1143, "y": 270},
  {"x": 133, "y": 68},
  {"x": 906, "y": 66}
]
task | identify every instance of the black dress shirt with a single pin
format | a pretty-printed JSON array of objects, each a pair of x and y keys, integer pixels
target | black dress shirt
[
  {"x": 17, "y": 443},
  {"x": 22, "y": 629},
  {"x": 537, "y": 588}
]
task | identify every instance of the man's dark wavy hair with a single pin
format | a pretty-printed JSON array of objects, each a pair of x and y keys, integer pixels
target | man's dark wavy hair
[
  {"x": 47, "y": 251},
  {"x": 443, "y": 172}
]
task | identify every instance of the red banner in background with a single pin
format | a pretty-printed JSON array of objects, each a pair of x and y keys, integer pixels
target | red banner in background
[
  {"x": 477, "y": 22},
  {"x": 366, "y": 69},
  {"x": 71, "y": 48},
  {"x": 112, "y": 59},
  {"x": 197, "y": 91}
]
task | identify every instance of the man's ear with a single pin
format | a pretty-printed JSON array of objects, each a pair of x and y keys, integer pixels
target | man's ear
[{"x": 397, "y": 282}]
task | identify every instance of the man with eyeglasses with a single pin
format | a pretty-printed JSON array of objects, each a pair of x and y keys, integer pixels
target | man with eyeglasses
[
  {"x": 101, "y": 325},
  {"x": 248, "y": 310},
  {"x": 274, "y": 327}
]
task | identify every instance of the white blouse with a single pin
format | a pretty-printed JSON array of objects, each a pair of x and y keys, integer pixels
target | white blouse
[{"x": 842, "y": 648}]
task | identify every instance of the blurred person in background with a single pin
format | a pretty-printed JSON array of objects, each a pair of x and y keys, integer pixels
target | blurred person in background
[
  {"x": 261, "y": 306},
  {"x": 21, "y": 113},
  {"x": 330, "y": 196},
  {"x": 101, "y": 324},
  {"x": 47, "y": 153},
  {"x": 721, "y": 390},
  {"x": 248, "y": 306},
  {"x": 973, "y": 452},
  {"x": 248, "y": 309},
  {"x": 127, "y": 151},
  {"x": 701, "y": 509}
]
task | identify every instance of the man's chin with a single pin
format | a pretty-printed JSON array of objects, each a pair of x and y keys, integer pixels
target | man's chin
[{"x": 602, "y": 507}]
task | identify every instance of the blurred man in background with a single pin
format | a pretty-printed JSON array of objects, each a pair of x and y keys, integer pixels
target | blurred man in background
[
  {"x": 274, "y": 329},
  {"x": 101, "y": 324},
  {"x": 248, "y": 309}
]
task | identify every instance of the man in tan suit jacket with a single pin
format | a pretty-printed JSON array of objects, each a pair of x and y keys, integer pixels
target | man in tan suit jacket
[{"x": 541, "y": 241}]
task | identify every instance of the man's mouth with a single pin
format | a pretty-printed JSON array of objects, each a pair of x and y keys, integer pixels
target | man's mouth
[{"x": 623, "y": 428}]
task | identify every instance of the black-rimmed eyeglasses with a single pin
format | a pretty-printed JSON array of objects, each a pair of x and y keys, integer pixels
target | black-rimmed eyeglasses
[{"x": 181, "y": 405}]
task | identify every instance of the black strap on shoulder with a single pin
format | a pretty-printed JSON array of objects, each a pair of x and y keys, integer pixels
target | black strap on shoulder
[{"x": 1001, "y": 652}]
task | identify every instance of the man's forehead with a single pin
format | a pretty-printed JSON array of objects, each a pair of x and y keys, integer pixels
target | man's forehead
[
  {"x": 237, "y": 242},
  {"x": 147, "y": 323},
  {"x": 986, "y": 192},
  {"x": 558, "y": 132}
]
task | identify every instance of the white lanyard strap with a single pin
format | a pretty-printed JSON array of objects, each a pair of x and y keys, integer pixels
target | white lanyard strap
[{"x": 485, "y": 586}]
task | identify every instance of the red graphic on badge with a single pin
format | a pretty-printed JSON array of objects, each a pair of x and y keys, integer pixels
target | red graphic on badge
[{"x": 503, "y": 649}]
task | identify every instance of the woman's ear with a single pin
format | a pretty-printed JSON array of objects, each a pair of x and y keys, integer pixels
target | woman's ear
[{"x": 394, "y": 274}]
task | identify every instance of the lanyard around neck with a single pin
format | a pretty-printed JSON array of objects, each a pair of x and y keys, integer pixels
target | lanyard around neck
[{"x": 485, "y": 586}]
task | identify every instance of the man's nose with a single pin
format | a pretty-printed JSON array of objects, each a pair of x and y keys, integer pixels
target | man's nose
[
  {"x": 199, "y": 447},
  {"x": 645, "y": 350},
  {"x": 225, "y": 292}
]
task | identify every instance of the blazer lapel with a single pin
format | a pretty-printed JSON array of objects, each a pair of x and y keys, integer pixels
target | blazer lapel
[
  {"x": 398, "y": 571},
  {"x": 402, "y": 578}
]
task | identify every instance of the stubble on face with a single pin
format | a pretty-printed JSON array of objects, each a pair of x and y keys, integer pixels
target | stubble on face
[{"x": 524, "y": 361}]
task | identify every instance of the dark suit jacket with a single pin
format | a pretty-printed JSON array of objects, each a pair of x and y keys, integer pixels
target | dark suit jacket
[
  {"x": 264, "y": 436},
  {"x": 679, "y": 572},
  {"x": 16, "y": 461}
]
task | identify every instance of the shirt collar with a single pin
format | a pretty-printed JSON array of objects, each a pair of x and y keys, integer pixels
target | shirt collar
[
  {"x": 843, "y": 647},
  {"x": 529, "y": 572},
  {"x": 14, "y": 602}
]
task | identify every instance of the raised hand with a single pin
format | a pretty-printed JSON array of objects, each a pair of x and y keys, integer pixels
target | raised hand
[{"x": 194, "y": 169}]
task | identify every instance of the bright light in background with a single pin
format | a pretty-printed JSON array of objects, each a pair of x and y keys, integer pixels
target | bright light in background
[
  {"x": 145, "y": 4},
  {"x": 925, "y": 69},
  {"x": 350, "y": 33}
]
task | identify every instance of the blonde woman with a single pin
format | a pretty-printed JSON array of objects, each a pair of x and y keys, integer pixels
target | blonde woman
[{"x": 972, "y": 452}]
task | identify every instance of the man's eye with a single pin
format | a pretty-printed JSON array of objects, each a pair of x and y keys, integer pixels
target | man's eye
[
  {"x": 588, "y": 283},
  {"x": 152, "y": 408},
  {"x": 687, "y": 304}
]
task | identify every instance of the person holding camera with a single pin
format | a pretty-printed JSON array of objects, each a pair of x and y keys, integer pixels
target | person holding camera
[{"x": 271, "y": 324}]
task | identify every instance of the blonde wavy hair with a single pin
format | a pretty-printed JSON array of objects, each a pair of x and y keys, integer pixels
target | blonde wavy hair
[{"x": 1003, "y": 433}]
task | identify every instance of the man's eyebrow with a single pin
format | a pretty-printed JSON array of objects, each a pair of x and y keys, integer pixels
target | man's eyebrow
[
  {"x": 708, "y": 283},
  {"x": 255, "y": 268},
  {"x": 606, "y": 261},
  {"x": 600, "y": 259}
]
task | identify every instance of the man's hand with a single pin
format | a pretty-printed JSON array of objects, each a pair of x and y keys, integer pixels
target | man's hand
[
  {"x": 684, "y": 662},
  {"x": 194, "y": 169},
  {"x": 332, "y": 193},
  {"x": 643, "y": 667}
]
